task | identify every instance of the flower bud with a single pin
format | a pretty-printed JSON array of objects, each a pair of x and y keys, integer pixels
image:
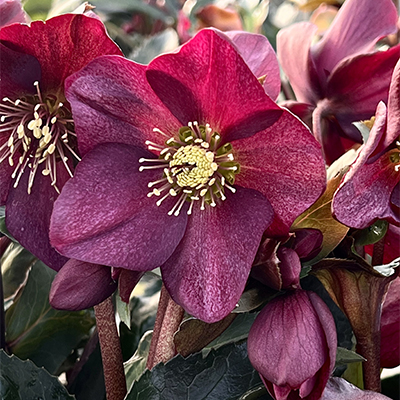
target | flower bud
[{"x": 292, "y": 344}]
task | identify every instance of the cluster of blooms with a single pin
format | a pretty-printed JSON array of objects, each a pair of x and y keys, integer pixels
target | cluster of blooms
[{"x": 189, "y": 164}]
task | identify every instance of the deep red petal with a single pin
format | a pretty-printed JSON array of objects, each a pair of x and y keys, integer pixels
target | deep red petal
[
  {"x": 207, "y": 273},
  {"x": 207, "y": 81},
  {"x": 62, "y": 45}
]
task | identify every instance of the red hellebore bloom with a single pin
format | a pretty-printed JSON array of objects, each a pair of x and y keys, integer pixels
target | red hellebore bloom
[
  {"x": 339, "y": 79},
  {"x": 370, "y": 190},
  {"x": 37, "y": 140},
  {"x": 292, "y": 344},
  {"x": 193, "y": 162}
]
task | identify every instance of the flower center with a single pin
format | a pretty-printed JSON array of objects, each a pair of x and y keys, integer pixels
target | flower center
[
  {"x": 196, "y": 168},
  {"x": 41, "y": 131}
]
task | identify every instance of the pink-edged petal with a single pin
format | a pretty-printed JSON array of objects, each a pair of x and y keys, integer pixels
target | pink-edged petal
[
  {"x": 79, "y": 285},
  {"x": 28, "y": 215},
  {"x": 104, "y": 216},
  {"x": 287, "y": 168},
  {"x": 293, "y": 48},
  {"x": 11, "y": 11},
  {"x": 393, "y": 127},
  {"x": 18, "y": 73},
  {"x": 112, "y": 102},
  {"x": 208, "y": 271},
  {"x": 260, "y": 57},
  {"x": 358, "y": 84},
  {"x": 365, "y": 197},
  {"x": 62, "y": 45},
  {"x": 207, "y": 81},
  {"x": 351, "y": 34}
]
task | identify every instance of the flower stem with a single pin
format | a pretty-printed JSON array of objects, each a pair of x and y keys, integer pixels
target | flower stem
[
  {"x": 111, "y": 354},
  {"x": 4, "y": 242},
  {"x": 169, "y": 317}
]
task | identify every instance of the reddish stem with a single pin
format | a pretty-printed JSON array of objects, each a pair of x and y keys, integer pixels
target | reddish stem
[
  {"x": 169, "y": 317},
  {"x": 113, "y": 369}
]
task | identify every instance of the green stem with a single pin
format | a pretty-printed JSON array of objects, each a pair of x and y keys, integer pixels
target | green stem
[{"x": 111, "y": 354}]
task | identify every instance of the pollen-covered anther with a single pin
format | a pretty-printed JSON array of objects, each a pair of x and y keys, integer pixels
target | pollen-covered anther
[
  {"x": 40, "y": 129},
  {"x": 196, "y": 166}
]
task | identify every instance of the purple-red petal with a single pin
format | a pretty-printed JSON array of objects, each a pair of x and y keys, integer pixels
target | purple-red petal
[
  {"x": 79, "y": 285},
  {"x": 350, "y": 34},
  {"x": 208, "y": 271},
  {"x": 28, "y": 215},
  {"x": 112, "y": 102},
  {"x": 287, "y": 168},
  {"x": 104, "y": 215}
]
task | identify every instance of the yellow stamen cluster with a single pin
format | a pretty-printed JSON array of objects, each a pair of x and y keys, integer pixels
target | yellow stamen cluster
[
  {"x": 40, "y": 131},
  {"x": 196, "y": 167}
]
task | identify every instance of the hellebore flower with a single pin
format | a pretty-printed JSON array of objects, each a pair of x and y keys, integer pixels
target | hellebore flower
[
  {"x": 370, "y": 190},
  {"x": 390, "y": 327},
  {"x": 292, "y": 344},
  {"x": 11, "y": 11},
  {"x": 339, "y": 79},
  {"x": 38, "y": 148},
  {"x": 193, "y": 162}
]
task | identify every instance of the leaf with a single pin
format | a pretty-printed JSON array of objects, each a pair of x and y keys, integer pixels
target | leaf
[
  {"x": 37, "y": 331},
  {"x": 225, "y": 373},
  {"x": 23, "y": 380},
  {"x": 319, "y": 216},
  {"x": 194, "y": 334},
  {"x": 123, "y": 311},
  {"x": 15, "y": 264},
  {"x": 371, "y": 234},
  {"x": 345, "y": 356},
  {"x": 237, "y": 330},
  {"x": 163, "y": 42},
  {"x": 136, "y": 365},
  {"x": 3, "y": 228}
]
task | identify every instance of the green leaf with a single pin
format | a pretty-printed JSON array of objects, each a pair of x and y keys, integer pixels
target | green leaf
[
  {"x": 194, "y": 334},
  {"x": 15, "y": 264},
  {"x": 3, "y": 228},
  {"x": 371, "y": 234},
  {"x": 345, "y": 356},
  {"x": 123, "y": 311},
  {"x": 163, "y": 42},
  {"x": 37, "y": 331},
  {"x": 23, "y": 380},
  {"x": 319, "y": 216},
  {"x": 225, "y": 373},
  {"x": 237, "y": 330},
  {"x": 136, "y": 365}
]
